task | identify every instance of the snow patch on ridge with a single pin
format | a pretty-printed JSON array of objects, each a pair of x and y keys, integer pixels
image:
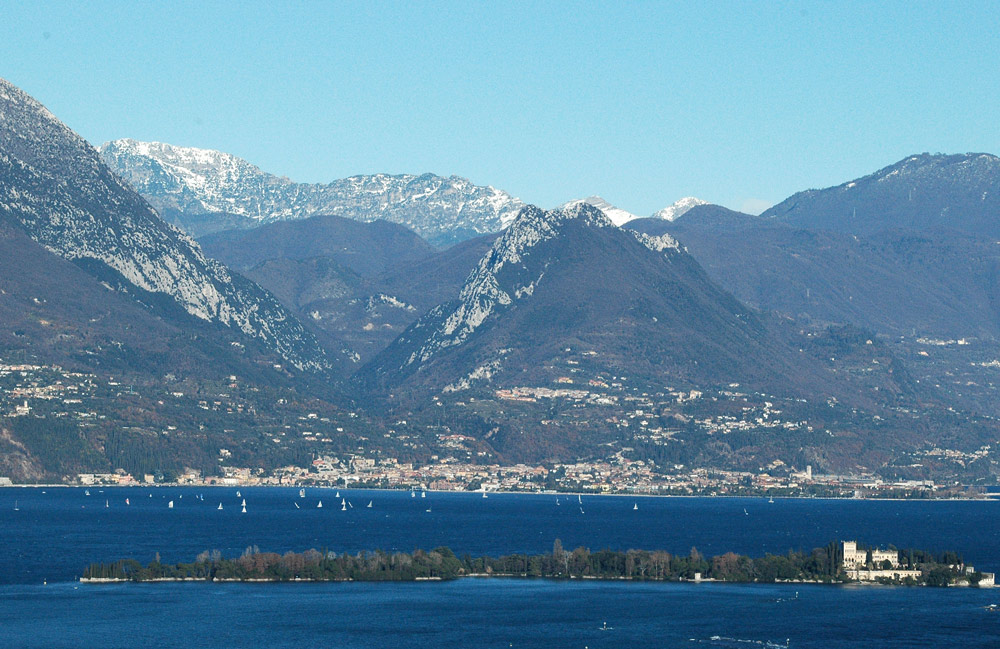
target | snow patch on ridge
[
  {"x": 679, "y": 208},
  {"x": 617, "y": 215}
]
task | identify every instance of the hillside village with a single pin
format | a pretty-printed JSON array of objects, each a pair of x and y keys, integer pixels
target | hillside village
[{"x": 343, "y": 447}]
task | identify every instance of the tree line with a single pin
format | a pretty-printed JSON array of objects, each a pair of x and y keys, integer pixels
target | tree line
[{"x": 821, "y": 565}]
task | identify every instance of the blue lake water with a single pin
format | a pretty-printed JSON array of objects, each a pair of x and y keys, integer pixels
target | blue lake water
[{"x": 54, "y": 534}]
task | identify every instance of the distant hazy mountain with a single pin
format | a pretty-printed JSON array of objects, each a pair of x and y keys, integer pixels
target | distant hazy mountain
[
  {"x": 569, "y": 280},
  {"x": 205, "y": 191},
  {"x": 941, "y": 283},
  {"x": 922, "y": 192},
  {"x": 367, "y": 249},
  {"x": 55, "y": 188}
]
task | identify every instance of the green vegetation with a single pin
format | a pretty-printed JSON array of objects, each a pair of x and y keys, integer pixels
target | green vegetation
[{"x": 820, "y": 565}]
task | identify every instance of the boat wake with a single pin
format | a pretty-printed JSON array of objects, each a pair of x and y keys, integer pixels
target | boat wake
[{"x": 724, "y": 641}]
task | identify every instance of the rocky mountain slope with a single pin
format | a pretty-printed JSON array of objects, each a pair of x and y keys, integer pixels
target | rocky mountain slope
[
  {"x": 55, "y": 188},
  {"x": 192, "y": 185},
  {"x": 921, "y": 192},
  {"x": 569, "y": 280}
]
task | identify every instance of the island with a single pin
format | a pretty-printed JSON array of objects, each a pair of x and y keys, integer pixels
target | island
[{"x": 836, "y": 563}]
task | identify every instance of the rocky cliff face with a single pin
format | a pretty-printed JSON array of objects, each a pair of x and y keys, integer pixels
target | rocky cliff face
[
  {"x": 55, "y": 188},
  {"x": 193, "y": 184}
]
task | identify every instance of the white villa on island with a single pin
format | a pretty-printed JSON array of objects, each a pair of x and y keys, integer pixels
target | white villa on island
[
  {"x": 855, "y": 564},
  {"x": 855, "y": 559}
]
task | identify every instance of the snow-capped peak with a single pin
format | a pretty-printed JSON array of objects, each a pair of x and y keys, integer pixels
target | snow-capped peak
[
  {"x": 617, "y": 215},
  {"x": 679, "y": 208}
]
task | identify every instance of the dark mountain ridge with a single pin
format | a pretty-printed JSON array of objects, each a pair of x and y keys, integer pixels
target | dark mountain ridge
[
  {"x": 922, "y": 192},
  {"x": 367, "y": 249},
  {"x": 932, "y": 282}
]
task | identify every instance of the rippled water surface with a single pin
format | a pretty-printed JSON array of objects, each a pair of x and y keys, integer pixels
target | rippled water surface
[{"x": 55, "y": 532}]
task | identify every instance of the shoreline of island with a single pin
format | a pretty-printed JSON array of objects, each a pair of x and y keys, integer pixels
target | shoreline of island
[{"x": 837, "y": 563}]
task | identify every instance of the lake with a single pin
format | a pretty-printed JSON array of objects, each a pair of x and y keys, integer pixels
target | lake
[{"x": 55, "y": 532}]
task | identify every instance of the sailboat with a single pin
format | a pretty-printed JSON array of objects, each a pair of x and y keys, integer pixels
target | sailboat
[
  {"x": 337, "y": 495},
  {"x": 771, "y": 500},
  {"x": 170, "y": 505},
  {"x": 302, "y": 493},
  {"x": 412, "y": 494},
  {"x": 343, "y": 506},
  {"x": 635, "y": 506},
  {"x": 86, "y": 492},
  {"x": 244, "y": 507},
  {"x": 484, "y": 495},
  {"x": 106, "y": 505},
  {"x": 343, "y": 501},
  {"x": 238, "y": 495},
  {"x": 579, "y": 499},
  {"x": 244, "y": 503},
  {"x": 369, "y": 504},
  {"x": 16, "y": 508},
  {"x": 319, "y": 505},
  {"x": 423, "y": 494},
  {"x": 557, "y": 502},
  {"x": 127, "y": 502},
  {"x": 220, "y": 506}
]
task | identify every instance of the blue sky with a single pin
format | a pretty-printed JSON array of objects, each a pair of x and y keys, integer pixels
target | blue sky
[{"x": 739, "y": 103}]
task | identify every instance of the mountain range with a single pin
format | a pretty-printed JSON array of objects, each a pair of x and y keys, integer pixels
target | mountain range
[
  {"x": 205, "y": 191},
  {"x": 542, "y": 335}
]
